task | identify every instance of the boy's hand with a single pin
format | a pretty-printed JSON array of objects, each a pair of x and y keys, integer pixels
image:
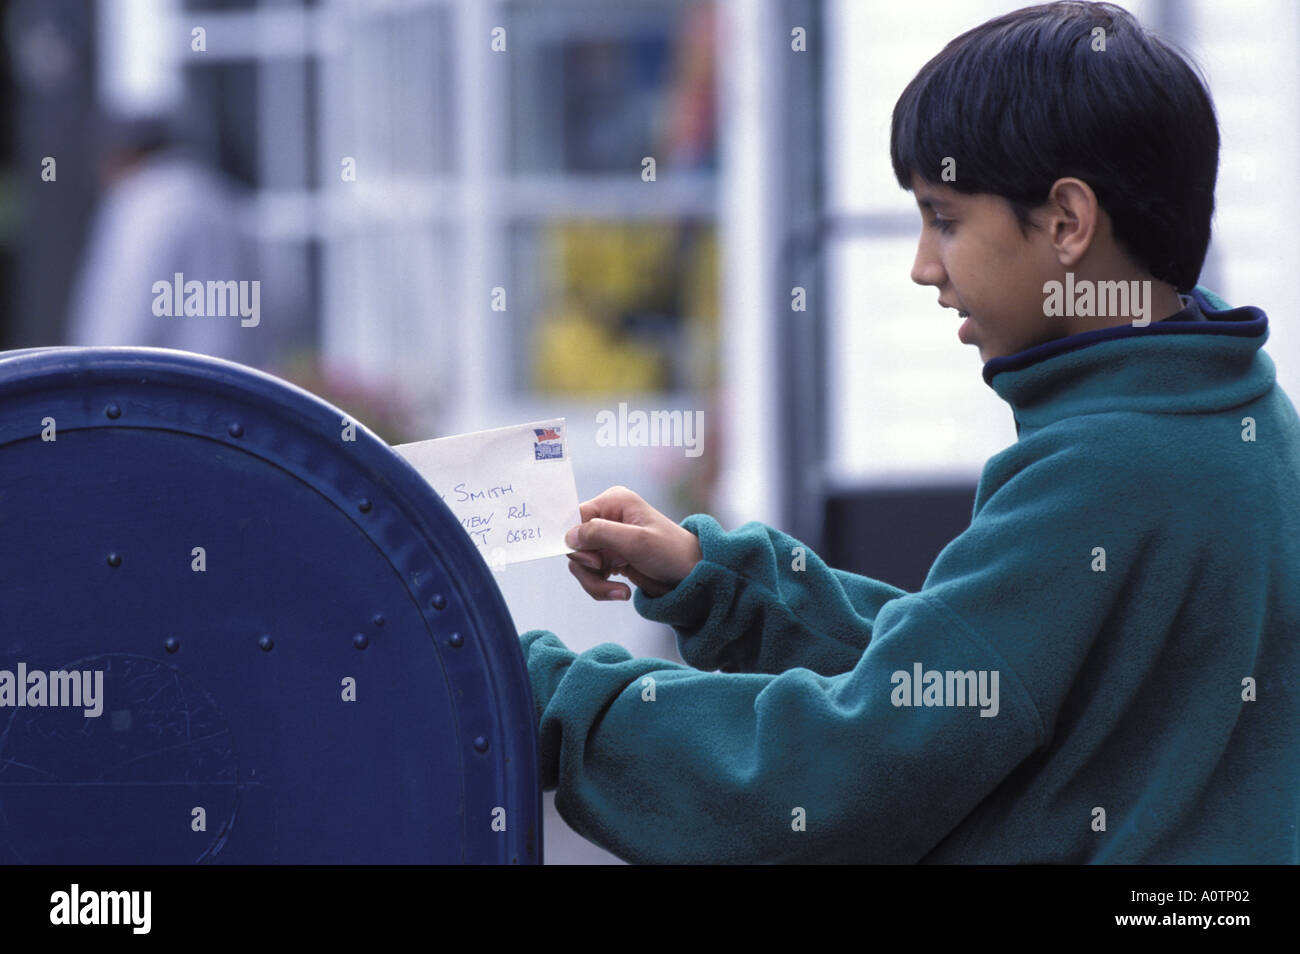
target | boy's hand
[{"x": 622, "y": 534}]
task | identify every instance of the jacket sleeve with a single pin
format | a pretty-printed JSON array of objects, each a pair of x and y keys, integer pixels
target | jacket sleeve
[
  {"x": 660, "y": 762},
  {"x": 761, "y": 601}
]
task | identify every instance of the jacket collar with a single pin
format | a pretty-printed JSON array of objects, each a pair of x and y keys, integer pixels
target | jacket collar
[{"x": 1202, "y": 359}]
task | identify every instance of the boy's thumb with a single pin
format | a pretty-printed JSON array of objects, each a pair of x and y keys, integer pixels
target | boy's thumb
[{"x": 598, "y": 534}]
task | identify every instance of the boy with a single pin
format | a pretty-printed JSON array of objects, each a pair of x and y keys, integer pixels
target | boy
[{"x": 1105, "y": 666}]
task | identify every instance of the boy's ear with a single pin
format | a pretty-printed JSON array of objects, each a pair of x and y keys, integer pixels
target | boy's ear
[{"x": 1072, "y": 214}]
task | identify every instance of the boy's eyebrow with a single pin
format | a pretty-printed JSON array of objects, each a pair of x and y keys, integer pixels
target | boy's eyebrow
[{"x": 930, "y": 203}]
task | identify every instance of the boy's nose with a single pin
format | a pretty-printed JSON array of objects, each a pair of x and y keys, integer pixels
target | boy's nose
[{"x": 926, "y": 269}]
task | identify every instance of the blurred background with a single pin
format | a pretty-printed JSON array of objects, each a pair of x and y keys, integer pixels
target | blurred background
[{"x": 449, "y": 211}]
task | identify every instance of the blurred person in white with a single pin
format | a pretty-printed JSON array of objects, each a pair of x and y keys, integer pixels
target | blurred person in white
[{"x": 165, "y": 213}]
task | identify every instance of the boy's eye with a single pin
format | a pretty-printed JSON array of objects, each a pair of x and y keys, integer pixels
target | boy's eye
[{"x": 943, "y": 225}]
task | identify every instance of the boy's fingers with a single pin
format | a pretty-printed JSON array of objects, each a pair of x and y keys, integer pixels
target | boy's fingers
[
  {"x": 597, "y": 586},
  {"x": 602, "y": 506},
  {"x": 595, "y": 507},
  {"x": 593, "y": 583},
  {"x": 609, "y": 503},
  {"x": 652, "y": 588},
  {"x": 588, "y": 559},
  {"x": 640, "y": 579},
  {"x": 623, "y": 540}
]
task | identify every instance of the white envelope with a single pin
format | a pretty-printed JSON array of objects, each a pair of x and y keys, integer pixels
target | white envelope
[{"x": 511, "y": 488}]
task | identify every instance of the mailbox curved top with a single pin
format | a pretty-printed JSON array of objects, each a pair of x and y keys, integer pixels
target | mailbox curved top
[{"x": 293, "y": 632}]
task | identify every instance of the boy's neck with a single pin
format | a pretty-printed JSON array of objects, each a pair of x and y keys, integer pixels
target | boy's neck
[{"x": 1150, "y": 301}]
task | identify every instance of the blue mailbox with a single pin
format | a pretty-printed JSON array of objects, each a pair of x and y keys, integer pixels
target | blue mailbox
[{"x": 236, "y": 627}]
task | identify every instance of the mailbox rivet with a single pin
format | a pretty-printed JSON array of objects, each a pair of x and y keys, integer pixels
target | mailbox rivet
[
  {"x": 236, "y": 430},
  {"x": 267, "y": 643},
  {"x": 439, "y": 601},
  {"x": 360, "y": 641},
  {"x": 171, "y": 644},
  {"x": 114, "y": 560},
  {"x": 364, "y": 505},
  {"x": 480, "y": 744},
  {"x": 379, "y": 619},
  {"x": 456, "y": 639},
  {"x": 113, "y": 411}
]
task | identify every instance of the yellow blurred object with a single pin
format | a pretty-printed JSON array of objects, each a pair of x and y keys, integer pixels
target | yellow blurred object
[
  {"x": 609, "y": 278},
  {"x": 575, "y": 354},
  {"x": 700, "y": 302},
  {"x": 614, "y": 265}
]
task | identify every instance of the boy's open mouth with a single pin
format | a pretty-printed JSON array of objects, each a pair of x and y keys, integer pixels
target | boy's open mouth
[
  {"x": 963, "y": 315},
  {"x": 960, "y": 313}
]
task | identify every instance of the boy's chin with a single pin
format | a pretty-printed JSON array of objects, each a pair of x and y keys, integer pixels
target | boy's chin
[{"x": 988, "y": 350}]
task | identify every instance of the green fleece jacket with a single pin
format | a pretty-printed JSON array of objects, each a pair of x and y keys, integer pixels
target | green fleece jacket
[{"x": 1104, "y": 667}]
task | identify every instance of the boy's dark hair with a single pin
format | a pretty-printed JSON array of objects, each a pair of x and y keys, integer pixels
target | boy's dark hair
[{"x": 1024, "y": 100}]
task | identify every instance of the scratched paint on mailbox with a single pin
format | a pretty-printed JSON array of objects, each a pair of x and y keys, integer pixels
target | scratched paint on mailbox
[{"x": 511, "y": 488}]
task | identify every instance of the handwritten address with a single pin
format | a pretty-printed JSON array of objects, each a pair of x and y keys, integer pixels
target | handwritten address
[
  {"x": 479, "y": 525},
  {"x": 515, "y": 504}
]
